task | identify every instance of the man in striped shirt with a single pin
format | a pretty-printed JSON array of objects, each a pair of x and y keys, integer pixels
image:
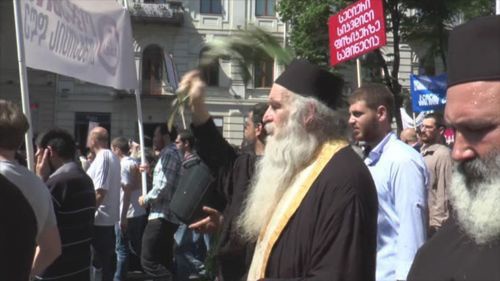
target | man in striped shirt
[{"x": 74, "y": 204}]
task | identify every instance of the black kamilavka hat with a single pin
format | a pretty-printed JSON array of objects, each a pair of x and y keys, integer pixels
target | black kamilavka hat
[
  {"x": 474, "y": 51},
  {"x": 309, "y": 80}
]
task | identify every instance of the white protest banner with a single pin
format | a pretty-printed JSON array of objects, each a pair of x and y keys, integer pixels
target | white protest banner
[{"x": 90, "y": 40}]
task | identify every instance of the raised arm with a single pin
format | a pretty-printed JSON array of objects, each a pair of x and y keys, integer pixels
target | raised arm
[{"x": 212, "y": 148}]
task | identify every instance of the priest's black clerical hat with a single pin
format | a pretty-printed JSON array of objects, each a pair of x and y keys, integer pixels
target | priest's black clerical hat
[
  {"x": 307, "y": 79},
  {"x": 474, "y": 51}
]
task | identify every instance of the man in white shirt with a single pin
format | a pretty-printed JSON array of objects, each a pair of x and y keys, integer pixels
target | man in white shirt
[
  {"x": 105, "y": 174},
  {"x": 132, "y": 215}
]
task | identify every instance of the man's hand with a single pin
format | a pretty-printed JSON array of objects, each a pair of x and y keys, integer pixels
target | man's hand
[
  {"x": 209, "y": 224},
  {"x": 42, "y": 166},
  {"x": 144, "y": 168},
  {"x": 195, "y": 87},
  {"x": 141, "y": 201},
  {"x": 135, "y": 174}
]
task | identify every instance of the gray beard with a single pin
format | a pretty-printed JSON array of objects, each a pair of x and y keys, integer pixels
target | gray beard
[
  {"x": 285, "y": 155},
  {"x": 475, "y": 197}
]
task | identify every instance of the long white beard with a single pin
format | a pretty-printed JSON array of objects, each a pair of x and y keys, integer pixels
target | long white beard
[
  {"x": 286, "y": 154},
  {"x": 475, "y": 197}
]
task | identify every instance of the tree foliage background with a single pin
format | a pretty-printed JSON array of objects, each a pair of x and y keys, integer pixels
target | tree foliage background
[{"x": 422, "y": 23}]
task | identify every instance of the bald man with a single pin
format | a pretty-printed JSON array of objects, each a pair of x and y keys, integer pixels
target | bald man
[
  {"x": 105, "y": 174},
  {"x": 410, "y": 137}
]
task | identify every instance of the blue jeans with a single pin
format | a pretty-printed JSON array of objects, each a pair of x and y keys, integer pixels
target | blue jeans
[
  {"x": 128, "y": 245},
  {"x": 103, "y": 246},
  {"x": 190, "y": 252}
]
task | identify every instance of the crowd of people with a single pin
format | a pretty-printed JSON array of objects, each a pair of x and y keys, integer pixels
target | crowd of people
[{"x": 314, "y": 194}]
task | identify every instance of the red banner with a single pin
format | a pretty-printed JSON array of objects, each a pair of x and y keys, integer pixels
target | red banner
[{"x": 356, "y": 30}]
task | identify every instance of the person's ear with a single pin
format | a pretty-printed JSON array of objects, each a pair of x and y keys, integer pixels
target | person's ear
[
  {"x": 382, "y": 113},
  {"x": 441, "y": 130},
  {"x": 259, "y": 129},
  {"x": 311, "y": 112},
  {"x": 51, "y": 151}
]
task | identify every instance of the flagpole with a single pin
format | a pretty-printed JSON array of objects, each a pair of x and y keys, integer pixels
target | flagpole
[
  {"x": 140, "y": 126},
  {"x": 23, "y": 75},
  {"x": 141, "y": 139},
  {"x": 358, "y": 71}
]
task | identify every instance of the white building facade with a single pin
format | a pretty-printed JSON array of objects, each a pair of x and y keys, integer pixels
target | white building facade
[{"x": 163, "y": 30}]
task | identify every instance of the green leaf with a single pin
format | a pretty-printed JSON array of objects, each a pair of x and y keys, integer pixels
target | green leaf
[{"x": 245, "y": 47}]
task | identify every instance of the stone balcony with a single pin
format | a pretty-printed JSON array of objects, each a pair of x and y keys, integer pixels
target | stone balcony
[{"x": 171, "y": 12}]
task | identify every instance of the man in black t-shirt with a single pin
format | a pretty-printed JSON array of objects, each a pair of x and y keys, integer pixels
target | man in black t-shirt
[
  {"x": 26, "y": 211},
  {"x": 17, "y": 248}
]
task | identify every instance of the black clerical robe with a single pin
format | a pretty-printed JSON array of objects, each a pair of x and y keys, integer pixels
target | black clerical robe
[
  {"x": 332, "y": 234},
  {"x": 452, "y": 255},
  {"x": 234, "y": 172}
]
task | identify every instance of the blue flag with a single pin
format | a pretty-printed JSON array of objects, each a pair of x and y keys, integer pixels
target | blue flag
[{"x": 428, "y": 92}]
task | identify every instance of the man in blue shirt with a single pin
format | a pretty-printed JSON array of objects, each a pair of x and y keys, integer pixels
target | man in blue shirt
[{"x": 400, "y": 177}]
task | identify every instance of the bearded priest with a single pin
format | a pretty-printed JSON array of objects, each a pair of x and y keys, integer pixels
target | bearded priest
[
  {"x": 467, "y": 246},
  {"x": 312, "y": 205}
]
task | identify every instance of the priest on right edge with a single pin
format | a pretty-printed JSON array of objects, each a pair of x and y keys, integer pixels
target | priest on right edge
[{"x": 467, "y": 247}]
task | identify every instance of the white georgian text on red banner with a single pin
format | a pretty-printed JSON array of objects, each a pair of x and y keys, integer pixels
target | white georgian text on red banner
[
  {"x": 356, "y": 30},
  {"x": 90, "y": 40}
]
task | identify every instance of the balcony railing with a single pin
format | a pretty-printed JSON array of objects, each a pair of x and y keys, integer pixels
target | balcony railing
[{"x": 171, "y": 12}]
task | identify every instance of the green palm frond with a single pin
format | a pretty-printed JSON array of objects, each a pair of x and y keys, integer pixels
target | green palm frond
[{"x": 245, "y": 47}]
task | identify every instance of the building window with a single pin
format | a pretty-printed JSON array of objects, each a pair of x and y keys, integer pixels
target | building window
[
  {"x": 265, "y": 8},
  {"x": 219, "y": 123},
  {"x": 155, "y": 1},
  {"x": 263, "y": 73},
  {"x": 211, "y": 7},
  {"x": 210, "y": 72},
  {"x": 85, "y": 122},
  {"x": 152, "y": 70}
]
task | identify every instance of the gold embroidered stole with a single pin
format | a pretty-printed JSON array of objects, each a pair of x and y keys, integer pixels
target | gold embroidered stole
[{"x": 287, "y": 206}]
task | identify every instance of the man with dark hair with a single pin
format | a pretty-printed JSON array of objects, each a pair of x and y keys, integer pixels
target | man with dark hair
[
  {"x": 185, "y": 142},
  {"x": 400, "y": 176},
  {"x": 25, "y": 199},
  {"x": 311, "y": 206},
  {"x": 191, "y": 247},
  {"x": 105, "y": 174},
  {"x": 235, "y": 171},
  {"x": 132, "y": 216},
  {"x": 158, "y": 237},
  {"x": 252, "y": 123},
  {"x": 439, "y": 164},
  {"x": 467, "y": 245},
  {"x": 74, "y": 204}
]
